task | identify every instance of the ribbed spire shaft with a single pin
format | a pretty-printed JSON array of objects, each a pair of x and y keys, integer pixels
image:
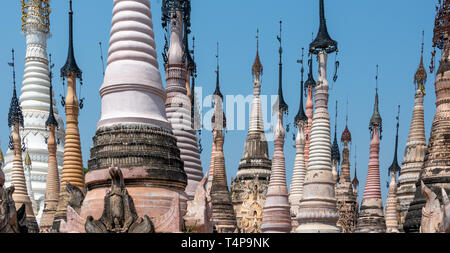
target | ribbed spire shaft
[
  {"x": 310, "y": 84},
  {"x": 392, "y": 214}
]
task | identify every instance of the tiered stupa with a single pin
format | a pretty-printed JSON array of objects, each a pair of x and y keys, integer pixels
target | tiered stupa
[
  {"x": 223, "y": 215},
  {"x": 276, "y": 212},
  {"x": 392, "y": 206},
  {"x": 249, "y": 188},
  {"x": 335, "y": 154},
  {"x": 299, "y": 171},
  {"x": 309, "y": 85},
  {"x": 436, "y": 169},
  {"x": 52, "y": 191},
  {"x": 133, "y": 132},
  {"x": 371, "y": 217},
  {"x": 20, "y": 194},
  {"x": 73, "y": 171},
  {"x": 317, "y": 211},
  {"x": 34, "y": 98},
  {"x": 415, "y": 146},
  {"x": 345, "y": 192},
  {"x": 178, "y": 103}
]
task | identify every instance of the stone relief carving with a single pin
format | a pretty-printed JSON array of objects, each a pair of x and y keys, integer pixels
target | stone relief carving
[
  {"x": 119, "y": 214},
  {"x": 11, "y": 221},
  {"x": 432, "y": 212},
  {"x": 199, "y": 210}
]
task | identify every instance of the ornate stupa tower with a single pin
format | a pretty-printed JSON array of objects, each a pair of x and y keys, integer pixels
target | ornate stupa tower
[
  {"x": 415, "y": 146},
  {"x": 392, "y": 206},
  {"x": 436, "y": 169},
  {"x": 335, "y": 153},
  {"x": 15, "y": 121},
  {"x": 248, "y": 189},
  {"x": 318, "y": 212},
  {"x": 72, "y": 171},
  {"x": 371, "y": 217},
  {"x": 35, "y": 96},
  {"x": 276, "y": 212},
  {"x": 223, "y": 215},
  {"x": 133, "y": 132},
  {"x": 299, "y": 171},
  {"x": 345, "y": 194},
  {"x": 178, "y": 103},
  {"x": 52, "y": 191},
  {"x": 309, "y": 85}
]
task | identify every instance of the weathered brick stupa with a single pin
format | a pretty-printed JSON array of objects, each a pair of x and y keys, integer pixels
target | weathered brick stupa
[
  {"x": 20, "y": 194},
  {"x": 52, "y": 191},
  {"x": 309, "y": 84},
  {"x": 276, "y": 212},
  {"x": 299, "y": 171},
  {"x": 34, "y": 98},
  {"x": 436, "y": 169},
  {"x": 133, "y": 132},
  {"x": 371, "y": 217},
  {"x": 72, "y": 171},
  {"x": 345, "y": 192},
  {"x": 178, "y": 103},
  {"x": 249, "y": 188},
  {"x": 317, "y": 210},
  {"x": 392, "y": 206},
  {"x": 415, "y": 146},
  {"x": 223, "y": 215}
]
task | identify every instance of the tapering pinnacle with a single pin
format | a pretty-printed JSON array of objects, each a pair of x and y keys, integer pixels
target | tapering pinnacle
[
  {"x": 71, "y": 66},
  {"x": 51, "y": 116},
  {"x": 282, "y": 104},
  {"x": 15, "y": 111},
  {"x": 376, "y": 120},
  {"x": 394, "y": 166},
  {"x": 335, "y": 147},
  {"x": 301, "y": 116},
  {"x": 257, "y": 68},
  {"x": 420, "y": 77},
  {"x": 217, "y": 91},
  {"x": 323, "y": 40}
]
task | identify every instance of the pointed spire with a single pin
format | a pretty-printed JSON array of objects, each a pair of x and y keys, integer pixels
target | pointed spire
[
  {"x": 257, "y": 68},
  {"x": 301, "y": 116},
  {"x": 71, "y": 65},
  {"x": 27, "y": 159},
  {"x": 282, "y": 104},
  {"x": 346, "y": 135},
  {"x": 394, "y": 166},
  {"x": 323, "y": 40},
  {"x": 420, "y": 77},
  {"x": 376, "y": 120},
  {"x": 217, "y": 91},
  {"x": 355, "y": 181},
  {"x": 2, "y": 158},
  {"x": 51, "y": 117},
  {"x": 335, "y": 156},
  {"x": 15, "y": 111},
  {"x": 310, "y": 81}
]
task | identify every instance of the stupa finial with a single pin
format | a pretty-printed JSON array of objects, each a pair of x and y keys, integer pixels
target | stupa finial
[
  {"x": 323, "y": 40},
  {"x": 257, "y": 68},
  {"x": 217, "y": 91},
  {"x": 282, "y": 104},
  {"x": 394, "y": 166},
  {"x": 301, "y": 116},
  {"x": 71, "y": 66},
  {"x": 335, "y": 147},
  {"x": 15, "y": 111},
  {"x": 420, "y": 76},
  {"x": 376, "y": 120},
  {"x": 51, "y": 116}
]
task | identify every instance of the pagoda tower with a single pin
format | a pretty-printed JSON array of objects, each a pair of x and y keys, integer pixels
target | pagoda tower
[
  {"x": 178, "y": 103},
  {"x": 52, "y": 191},
  {"x": 73, "y": 171},
  {"x": 223, "y": 215},
  {"x": 335, "y": 153},
  {"x": 345, "y": 192},
  {"x": 371, "y": 217},
  {"x": 436, "y": 169},
  {"x": 20, "y": 195},
  {"x": 299, "y": 171},
  {"x": 248, "y": 189},
  {"x": 392, "y": 206},
  {"x": 133, "y": 132},
  {"x": 415, "y": 146},
  {"x": 35, "y": 96},
  {"x": 317, "y": 210},
  {"x": 309, "y": 85},
  {"x": 276, "y": 212}
]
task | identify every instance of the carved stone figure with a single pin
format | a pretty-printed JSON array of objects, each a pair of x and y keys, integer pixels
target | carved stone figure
[
  {"x": 11, "y": 221},
  {"x": 432, "y": 212},
  {"x": 198, "y": 216},
  {"x": 119, "y": 214},
  {"x": 76, "y": 196}
]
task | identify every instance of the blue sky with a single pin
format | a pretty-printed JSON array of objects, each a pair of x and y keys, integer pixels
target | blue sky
[{"x": 383, "y": 32}]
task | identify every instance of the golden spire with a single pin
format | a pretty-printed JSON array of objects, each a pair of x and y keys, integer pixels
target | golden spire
[
  {"x": 36, "y": 15},
  {"x": 27, "y": 159},
  {"x": 257, "y": 68},
  {"x": 421, "y": 74}
]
